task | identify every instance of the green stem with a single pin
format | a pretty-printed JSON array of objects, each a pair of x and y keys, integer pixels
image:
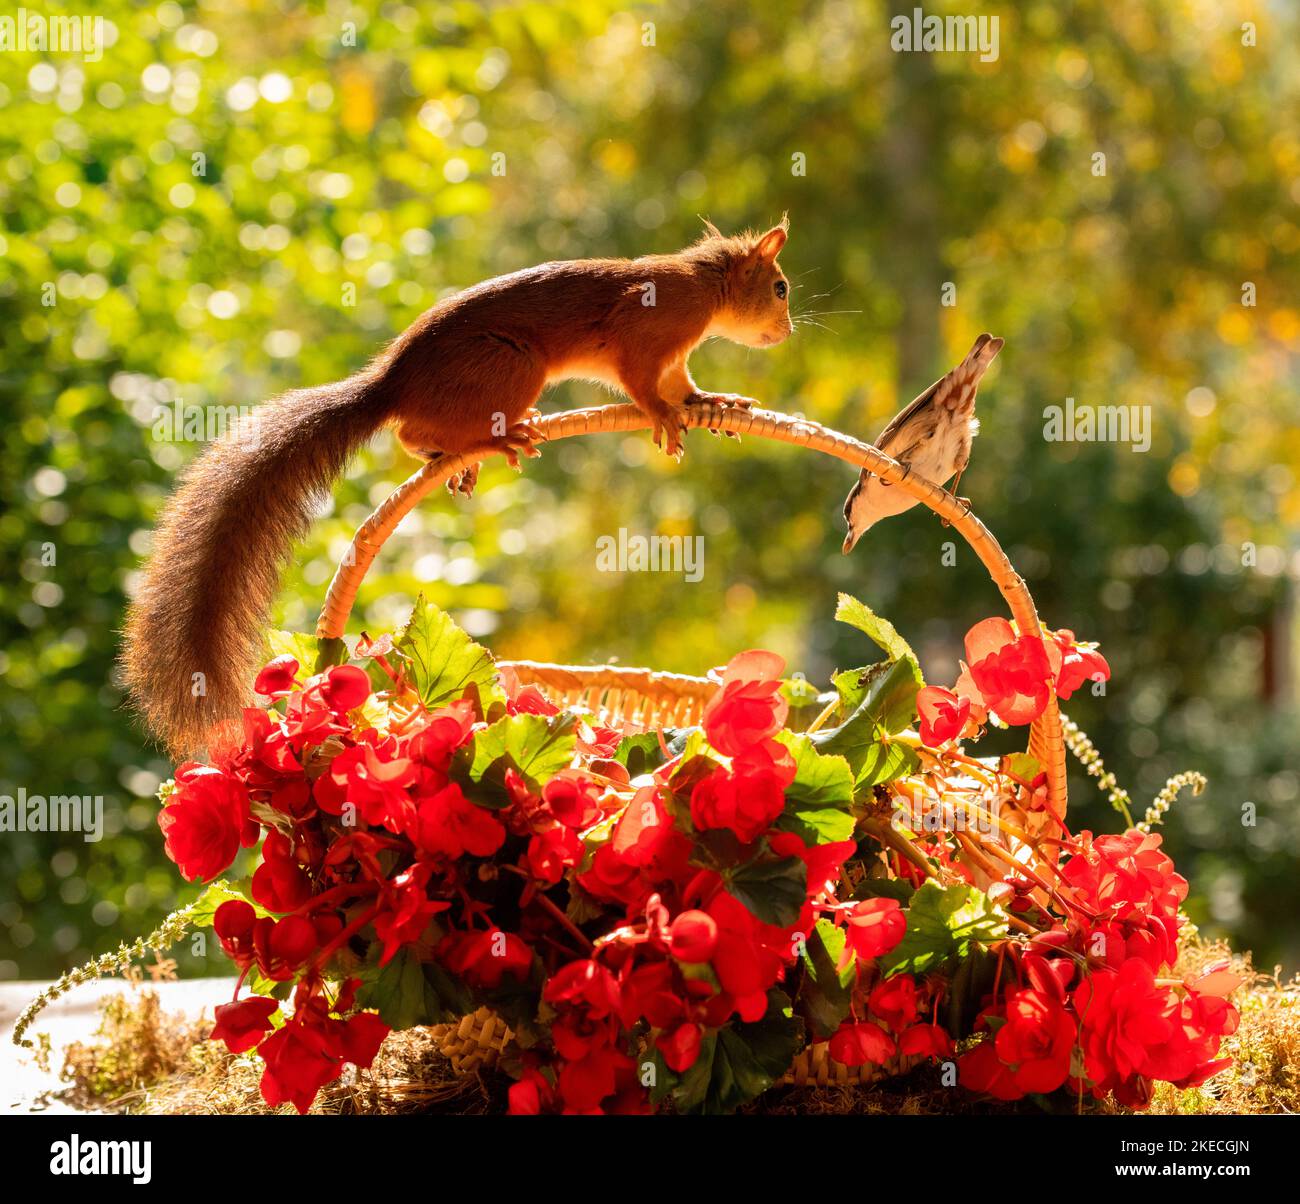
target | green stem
[{"x": 163, "y": 937}]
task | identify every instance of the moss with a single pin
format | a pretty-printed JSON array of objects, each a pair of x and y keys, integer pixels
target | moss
[
  {"x": 1265, "y": 1075},
  {"x": 140, "y": 1045},
  {"x": 147, "y": 1061}
]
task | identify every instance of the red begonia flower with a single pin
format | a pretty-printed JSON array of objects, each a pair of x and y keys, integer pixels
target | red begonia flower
[
  {"x": 859, "y": 1044},
  {"x": 205, "y": 821},
  {"x": 874, "y": 927},
  {"x": 749, "y": 707},
  {"x": 942, "y": 714},
  {"x": 242, "y": 1025}
]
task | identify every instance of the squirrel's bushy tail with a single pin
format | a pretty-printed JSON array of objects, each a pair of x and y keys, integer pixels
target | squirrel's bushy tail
[{"x": 195, "y": 629}]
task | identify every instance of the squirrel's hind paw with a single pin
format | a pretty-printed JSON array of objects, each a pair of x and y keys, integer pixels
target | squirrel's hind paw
[
  {"x": 464, "y": 481},
  {"x": 520, "y": 440}
]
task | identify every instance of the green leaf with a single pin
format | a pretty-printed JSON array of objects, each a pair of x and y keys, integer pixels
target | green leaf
[
  {"x": 822, "y": 825},
  {"x": 821, "y": 779},
  {"x": 826, "y": 991},
  {"x": 258, "y": 984},
  {"x": 329, "y": 653},
  {"x": 640, "y": 754},
  {"x": 682, "y": 738},
  {"x": 738, "y": 1062},
  {"x": 860, "y": 615},
  {"x": 885, "y": 888},
  {"x": 817, "y": 802},
  {"x": 972, "y": 981},
  {"x": 887, "y": 761},
  {"x": 217, "y": 893},
  {"x": 850, "y": 685},
  {"x": 302, "y": 647},
  {"x": 944, "y": 922},
  {"x": 772, "y": 890},
  {"x": 801, "y": 694},
  {"x": 888, "y": 706},
  {"x": 1022, "y": 765},
  {"x": 443, "y": 660},
  {"x": 694, "y": 760},
  {"x": 537, "y": 747},
  {"x": 407, "y": 992},
  {"x": 313, "y": 655}
]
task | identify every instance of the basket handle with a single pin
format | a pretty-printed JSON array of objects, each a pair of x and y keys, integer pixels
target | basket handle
[{"x": 1047, "y": 737}]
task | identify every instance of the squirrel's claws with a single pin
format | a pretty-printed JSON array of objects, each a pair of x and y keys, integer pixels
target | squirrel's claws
[
  {"x": 667, "y": 432},
  {"x": 464, "y": 481},
  {"x": 725, "y": 400},
  {"x": 520, "y": 439}
]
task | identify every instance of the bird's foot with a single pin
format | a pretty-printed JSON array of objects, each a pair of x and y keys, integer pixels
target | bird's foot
[
  {"x": 907, "y": 472},
  {"x": 966, "y": 509}
]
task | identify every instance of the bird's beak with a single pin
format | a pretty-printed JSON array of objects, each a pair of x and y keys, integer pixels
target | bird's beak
[{"x": 849, "y": 540}]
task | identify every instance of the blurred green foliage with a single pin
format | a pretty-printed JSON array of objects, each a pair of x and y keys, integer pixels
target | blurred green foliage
[{"x": 182, "y": 220}]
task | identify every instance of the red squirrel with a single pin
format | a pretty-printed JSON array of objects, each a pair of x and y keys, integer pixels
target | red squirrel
[{"x": 463, "y": 379}]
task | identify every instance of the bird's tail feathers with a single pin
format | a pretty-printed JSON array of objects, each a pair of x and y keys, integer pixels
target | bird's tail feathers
[{"x": 980, "y": 356}]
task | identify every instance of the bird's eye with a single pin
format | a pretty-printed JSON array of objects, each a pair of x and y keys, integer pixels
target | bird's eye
[{"x": 781, "y": 289}]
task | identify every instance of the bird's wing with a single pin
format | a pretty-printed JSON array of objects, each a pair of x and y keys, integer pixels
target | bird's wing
[
  {"x": 965, "y": 375},
  {"x": 886, "y": 436},
  {"x": 883, "y": 440},
  {"x": 848, "y": 501}
]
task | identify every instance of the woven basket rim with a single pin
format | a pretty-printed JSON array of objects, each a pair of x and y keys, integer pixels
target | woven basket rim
[{"x": 1047, "y": 736}]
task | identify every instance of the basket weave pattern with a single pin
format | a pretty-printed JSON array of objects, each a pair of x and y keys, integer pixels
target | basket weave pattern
[{"x": 631, "y": 700}]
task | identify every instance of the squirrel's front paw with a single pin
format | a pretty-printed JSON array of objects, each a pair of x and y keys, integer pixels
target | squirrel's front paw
[
  {"x": 668, "y": 431},
  {"x": 726, "y": 400}
]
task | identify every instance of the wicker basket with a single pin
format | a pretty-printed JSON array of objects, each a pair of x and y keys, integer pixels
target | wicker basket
[{"x": 643, "y": 698}]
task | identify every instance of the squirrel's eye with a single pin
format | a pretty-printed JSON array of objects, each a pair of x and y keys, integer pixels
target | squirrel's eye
[{"x": 781, "y": 289}]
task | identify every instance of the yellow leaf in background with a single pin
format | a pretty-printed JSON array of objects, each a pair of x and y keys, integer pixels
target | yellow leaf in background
[
  {"x": 357, "y": 102},
  {"x": 1234, "y": 327},
  {"x": 1285, "y": 326},
  {"x": 617, "y": 158},
  {"x": 1184, "y": 477}
]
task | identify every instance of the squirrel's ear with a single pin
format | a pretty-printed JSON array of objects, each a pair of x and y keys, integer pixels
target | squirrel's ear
[
  {"x": 769, "y": 246},
  {"x": 710, "y": 230}
]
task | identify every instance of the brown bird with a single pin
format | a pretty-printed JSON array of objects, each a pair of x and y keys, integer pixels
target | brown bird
[{"x": 931, "y": 437}]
